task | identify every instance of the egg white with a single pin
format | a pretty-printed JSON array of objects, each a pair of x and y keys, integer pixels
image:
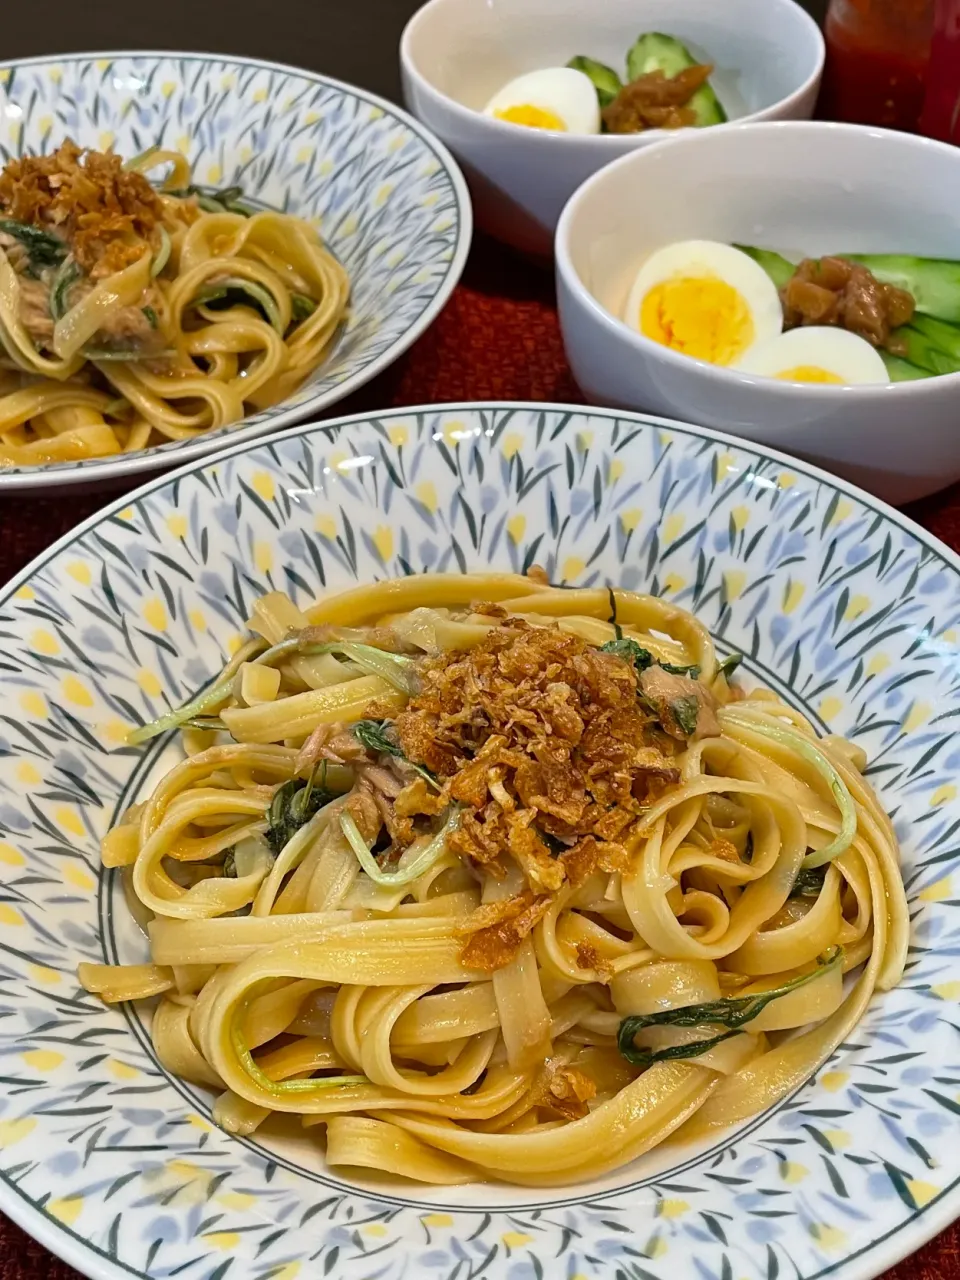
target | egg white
[
  {"x": 564, "y": 92},
  {"x": 709, "y": 259},
  {"x": 837, "y": 351}
]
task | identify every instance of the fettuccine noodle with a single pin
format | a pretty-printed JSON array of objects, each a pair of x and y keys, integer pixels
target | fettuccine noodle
[
  {"x": 484, "y": 878},
  {"x": 130, "y": 316}
]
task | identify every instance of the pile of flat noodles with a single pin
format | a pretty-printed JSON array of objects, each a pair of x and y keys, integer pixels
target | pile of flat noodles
[
  {"x": 301, "y": 985},
  {"x": 66, "y": 397}
]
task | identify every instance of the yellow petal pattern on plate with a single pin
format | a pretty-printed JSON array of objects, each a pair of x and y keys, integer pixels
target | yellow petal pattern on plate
[
  {"x": 66, "y": 1211},
  {"x": 673, "y": 1208},
  {"x": 75, "y": 691},
  {"x": 45, "y": 976},
  {"x": 10, "y": 856},
  {"x": 793, "y": 595},
  {"x": 33, "y": 704},
  {"x": 383, "y": 541},
  {"x": 14, "y": 1131},
  {"x": 427, "y": 493},
  {"x": 155, "y": 614},
  {"x": 673, "y": 527},
  {"x": 834, "y": 1080},
  {"x": 918, "y": 715},
  {"x": 42, "y": 1059},
  {"x": 938, "y": 891}
]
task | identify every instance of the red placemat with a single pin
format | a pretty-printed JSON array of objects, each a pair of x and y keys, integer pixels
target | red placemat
[{"x": 498, "y": 339}]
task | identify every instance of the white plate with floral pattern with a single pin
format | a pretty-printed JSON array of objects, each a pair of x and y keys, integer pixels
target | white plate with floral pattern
[
  {"x": 387, "y": 197},
  {"x": 839, "y": 603}
]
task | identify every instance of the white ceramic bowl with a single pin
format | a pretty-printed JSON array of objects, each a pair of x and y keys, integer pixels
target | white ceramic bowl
[
  {"x": 455, "y": 54},
  {"x": 799, "y": 188},
  {"x": 391, "y": 203}
]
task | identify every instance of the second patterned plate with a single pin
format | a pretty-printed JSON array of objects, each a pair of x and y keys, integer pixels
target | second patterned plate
[{"x": 388, "y": 198}]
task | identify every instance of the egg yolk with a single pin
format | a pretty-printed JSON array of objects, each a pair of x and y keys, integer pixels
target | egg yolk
[
  {"x": 531, "y": 116},
  {"x": 704, "y": 318},
  {"x": 810, "y": 373}
]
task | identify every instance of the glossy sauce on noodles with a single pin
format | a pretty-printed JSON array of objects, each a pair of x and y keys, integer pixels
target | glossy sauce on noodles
[
  {"x": 132, "y": 314},
  {"x": 488, "y": 879}
]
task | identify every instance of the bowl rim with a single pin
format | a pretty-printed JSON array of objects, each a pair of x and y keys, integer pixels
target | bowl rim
[
  {"x": 616, "y": 143},
  {"x": 568, "y": 276},
  {"x": 97, "y": 471}
]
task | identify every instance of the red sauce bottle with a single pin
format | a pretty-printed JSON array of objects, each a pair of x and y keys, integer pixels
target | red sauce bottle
[
  {"x": 941, "y": 111},
  {"x": 878, "y": 52}
]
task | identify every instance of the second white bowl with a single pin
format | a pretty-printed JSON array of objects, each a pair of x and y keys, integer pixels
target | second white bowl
[
  {"x": 803, "y": 189},
  {"x": 455, "y": 54}
]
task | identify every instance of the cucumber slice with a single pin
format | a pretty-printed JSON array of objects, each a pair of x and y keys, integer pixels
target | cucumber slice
[
  {"x": 934, "y": 282},
  {"x": 901, "y": 370},
  {"x": 931, "y": 344},
  {"x": 605, "y": 80},
  {"x": 779, "y": 269},
  {"x": 657, "y": 52}
]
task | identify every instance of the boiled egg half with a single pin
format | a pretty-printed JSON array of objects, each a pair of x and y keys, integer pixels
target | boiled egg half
[
  {"x": 704, "y": 299},
  {"x": 557, "y": 98},
  {"x": 818, "y": 355}
]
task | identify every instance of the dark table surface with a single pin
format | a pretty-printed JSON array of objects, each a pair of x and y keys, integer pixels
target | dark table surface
[{"x": 354, "y": 40}]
